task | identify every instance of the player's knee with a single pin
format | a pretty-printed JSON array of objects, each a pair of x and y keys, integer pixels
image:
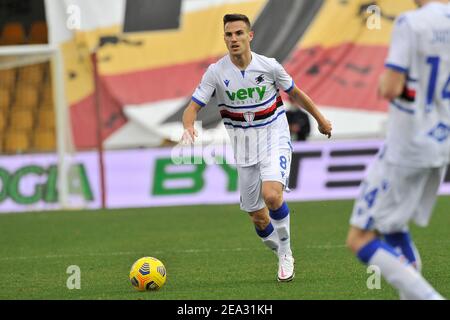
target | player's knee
[
  {"x": 351, "y": 242},
  {"x": 356, "y": 239},
  {"x": 273, "y": 199}
]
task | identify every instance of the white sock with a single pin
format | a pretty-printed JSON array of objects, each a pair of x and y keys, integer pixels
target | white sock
[
  {"x": 404, "y": 245},
  {"x": 280, "y": 219},
  {"x": 403, "y": 276},
  {"x": 418, "y": 267},
  {"x": 269, "y": 237},
  {"x": 272, "y": 241},
  {"x": 282, "y": 228},
  {"x": 418, "y": 259}
]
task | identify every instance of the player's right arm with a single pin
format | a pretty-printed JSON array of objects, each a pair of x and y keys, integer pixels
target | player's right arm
[
  {"x": 393, "y": 80},
  {"x": 189, "y": 117},
  {"x": 391, "y": 84},
  {"x": 200, "y": 98}
]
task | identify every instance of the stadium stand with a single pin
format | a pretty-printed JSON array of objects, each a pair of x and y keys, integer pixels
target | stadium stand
[
  {"x": 44, "y": 139},
  {"x": 38, "y": 32},
  {"x": 46, "y": 118},
  {"x": 2, "y": 122},
  {"x": 8, "y": 79},
  {"x": 32, "y": 74},
  {"x": 13, "y": 33},
  {"x": 22, "y": 119},
  {"x": 5, "y": 99},
  {"x": 26, "y": 95},
  {"x": 16, "y": 141},
  {"x": 30, "y": 113}
]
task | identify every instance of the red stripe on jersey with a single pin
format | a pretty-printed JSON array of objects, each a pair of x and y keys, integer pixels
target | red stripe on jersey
[
  {"x": 410, "y": 93},
  {"x": 237, "y": 116}
]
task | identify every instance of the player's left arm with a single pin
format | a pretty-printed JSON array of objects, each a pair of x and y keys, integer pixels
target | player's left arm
[
  {"x": 284, "y": 81},
  {"x": 302, "y": 99}
]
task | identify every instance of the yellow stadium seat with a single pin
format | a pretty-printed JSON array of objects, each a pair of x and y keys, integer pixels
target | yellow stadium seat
[
  {"x": 13, "y": 33},
  {"x": 16, "y": 141},
  {"x": 27, "y": 96},
  {"x": 21, "y": 119},
  {"x": 5, "y": 99},
  {"x": 38, "y": 32},
  {"x": 44, "y": 140},
  {"x": 46, "y": 118},
  {"x": 2, "y": 122},
  {"x": 5, "y": 111},
  {"x": 8, "y": 79},
  {"x": 48, "y": 72},
  {"x": 47, "y": 96},
  {"x": 32, "y": 74}
]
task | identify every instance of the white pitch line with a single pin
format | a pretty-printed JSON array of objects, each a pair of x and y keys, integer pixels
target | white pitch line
[
  {"x": 327, "y": 246},
  {"x": 157, "y": 252},
  {"x": 124, "y": 253}
]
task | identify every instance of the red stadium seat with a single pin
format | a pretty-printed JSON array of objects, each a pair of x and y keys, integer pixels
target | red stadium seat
[
  {"x": 13, "y": 33},
  {"x": 38, "y": 32}
]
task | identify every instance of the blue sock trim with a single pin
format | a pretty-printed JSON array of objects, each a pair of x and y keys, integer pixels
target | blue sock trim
[
  {"x": 403, "y": 241},
  {"x": 366, "y": 252},
  {"x": 280, "y": 213},
  {"x": 266, "y": 232}
]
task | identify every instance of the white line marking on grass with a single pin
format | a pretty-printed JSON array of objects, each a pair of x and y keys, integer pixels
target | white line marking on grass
[
  {"x": 327, "y": 246},
  {"x": 121, "y": 253},
  {"x": 157, "y": 252}
]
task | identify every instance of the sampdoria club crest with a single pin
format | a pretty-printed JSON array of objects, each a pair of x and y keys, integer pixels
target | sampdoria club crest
[{"x": 249, "y": 116}]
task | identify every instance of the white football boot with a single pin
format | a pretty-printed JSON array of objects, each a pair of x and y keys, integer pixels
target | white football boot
[{"x": 286, "y": 268}]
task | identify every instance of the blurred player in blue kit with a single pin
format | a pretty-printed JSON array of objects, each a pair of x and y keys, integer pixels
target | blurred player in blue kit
[
  {"x": 402, "y": 184},
  {"x": 246, "y": 86}
]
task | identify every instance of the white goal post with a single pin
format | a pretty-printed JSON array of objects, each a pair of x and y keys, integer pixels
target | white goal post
[{"x": 23, "y": 55}]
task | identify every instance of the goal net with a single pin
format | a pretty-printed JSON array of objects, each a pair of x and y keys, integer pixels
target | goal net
[{"x": 38, "y": 168}]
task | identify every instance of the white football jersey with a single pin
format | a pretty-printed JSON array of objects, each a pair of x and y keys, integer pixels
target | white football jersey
[
  {"x": 250, "y": 105},
  {"x": 419, "y": 121}
]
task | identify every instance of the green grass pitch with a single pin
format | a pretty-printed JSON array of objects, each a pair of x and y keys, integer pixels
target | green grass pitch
[{"x": 210, "y": 252}]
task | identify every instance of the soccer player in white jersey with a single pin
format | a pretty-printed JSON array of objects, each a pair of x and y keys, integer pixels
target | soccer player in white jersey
[
  {"x": 246, "y": 85},
  {"x": 402, "y": 184}
]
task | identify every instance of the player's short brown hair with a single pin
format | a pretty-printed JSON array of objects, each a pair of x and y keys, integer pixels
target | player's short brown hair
[{"x": 236, "y": 17}]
